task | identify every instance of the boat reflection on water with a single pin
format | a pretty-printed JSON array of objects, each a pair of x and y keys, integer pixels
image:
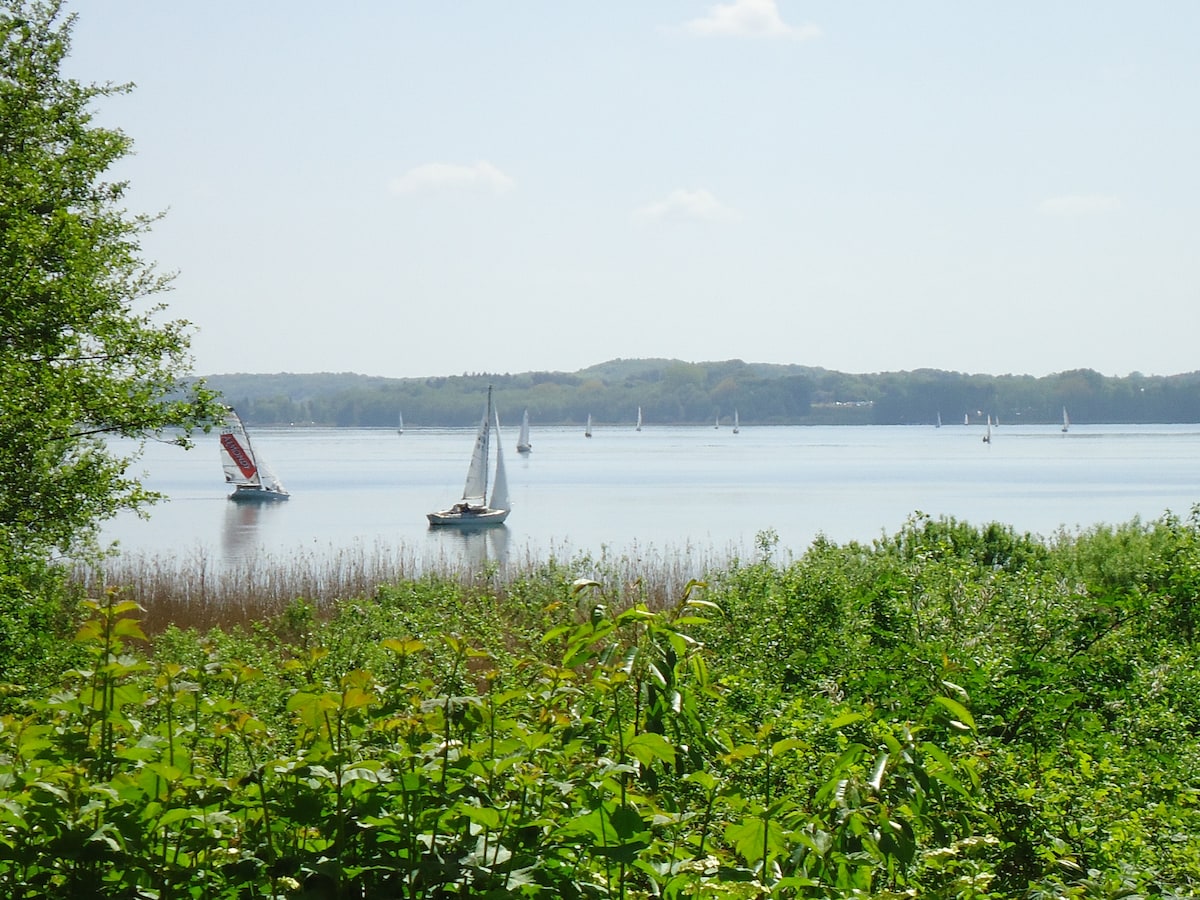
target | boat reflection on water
[
  {"x": 471, "y": 548},
  {"x": 241, "y": 529}
]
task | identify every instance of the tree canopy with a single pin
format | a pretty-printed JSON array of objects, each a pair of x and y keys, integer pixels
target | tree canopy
[{"x": 86, "y": 350}]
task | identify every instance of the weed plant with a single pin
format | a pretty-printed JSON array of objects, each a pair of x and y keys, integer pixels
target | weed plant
[{"x": 950, "y": 711}]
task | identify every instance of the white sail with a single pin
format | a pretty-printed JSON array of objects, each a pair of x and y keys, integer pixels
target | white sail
[
  {"x": 587, "y": 431},
  {"x": 400, "y": 423},
  {"x": 736, "y": 427},
  {"x": 475, "y": 489},
  {"x": 244, "y": 467},
  {"x": 639, "y": 421},
  {"x": 1066, "y": 420},
  {"x": 523, "y": 445},
  {"x": 499, "y": 499},
  {"x": 237, "y": 456}
]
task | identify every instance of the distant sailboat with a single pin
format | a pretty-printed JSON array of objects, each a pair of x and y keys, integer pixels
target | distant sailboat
[
  {"x": 523, "y": 445},
  {"x": 939, "y": 419},
  {"x": 639, "y": 421},
  {"x": 1066, "y": 421},
  {"x": 736, "y": 428},
  {"x": 987, "y": 438},
  {"x": 400, "y": 425},
  {"x": 966, "y": 418},
  {"x": 587, "y": 431},
  {"x": 717, "y": 423},
  {"x": 476, "y": 508}
]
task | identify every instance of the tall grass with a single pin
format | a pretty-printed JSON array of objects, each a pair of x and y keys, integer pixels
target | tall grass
[{"x": 198, "y": 590}]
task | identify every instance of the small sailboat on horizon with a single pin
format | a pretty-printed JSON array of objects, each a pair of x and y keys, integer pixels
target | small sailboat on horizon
[
  {"x": 736, "y": 428},
  {"x": 987, "y": 437},
  {"x": 587, "y": 430},
  {"x": 400, "y": 423},
  {"x": 639, "y": 420},
  {"x": 476, "y": 508},
  {"x": 252, "y": 479},
  {"x": 523, "y": 445},
  {"x": 1066, "y": 421}
]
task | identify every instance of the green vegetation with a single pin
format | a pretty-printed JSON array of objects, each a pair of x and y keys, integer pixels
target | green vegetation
[
  {"x": 952, "y": 711},
  {"x": 671, "y": 392},
  {"x": 84, "y": 354}
]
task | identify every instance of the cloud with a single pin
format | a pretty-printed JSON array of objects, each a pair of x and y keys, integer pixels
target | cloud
[
  {"x": 482, "y": 176},
  {"x": 1079, "y": 205},
  {"x": 684, "y": 204},
  {"x": 749, "y": 18}
]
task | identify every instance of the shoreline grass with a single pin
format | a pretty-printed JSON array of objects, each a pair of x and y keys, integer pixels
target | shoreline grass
[{"x": 198, "y": 589}]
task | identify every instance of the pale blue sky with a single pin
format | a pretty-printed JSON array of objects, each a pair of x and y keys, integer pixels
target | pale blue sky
[{"x": 407, "y": 189}]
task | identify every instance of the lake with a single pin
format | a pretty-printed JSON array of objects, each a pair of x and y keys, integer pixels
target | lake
[{"x": 663, "y": 489}]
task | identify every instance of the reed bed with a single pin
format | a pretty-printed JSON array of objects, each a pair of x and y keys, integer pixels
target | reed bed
[{"x": 197, "y": 590}]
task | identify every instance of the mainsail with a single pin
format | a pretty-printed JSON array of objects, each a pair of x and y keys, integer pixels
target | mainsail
[
  {"x": 237, "y": 457},
  {"x": 475, "y": 489}
]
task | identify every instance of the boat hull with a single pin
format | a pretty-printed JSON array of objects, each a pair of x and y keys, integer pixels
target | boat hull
[
  {"x": 472, "y": 518},
  {"x": 252, "y": 494}
]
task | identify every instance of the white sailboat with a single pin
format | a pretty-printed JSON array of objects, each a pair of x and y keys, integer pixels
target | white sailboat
[
  {"x": 523, "y": 445},
  {"x": 1066, "y": 421},
  {"x": 736, "y": 427},
  {"x": 587, "y": 431},
  {"x": 939, "y": 419},
  {"x": 472, "y": 510},
  {"x": 639, "y": 421},
  {"x": 717, "y": 422},
  {"x": 400, "y": 423},
  {"x": 966, "y": 418},
  {"x": 252, "y": 479},
  {"x": 987, "y": 438}
]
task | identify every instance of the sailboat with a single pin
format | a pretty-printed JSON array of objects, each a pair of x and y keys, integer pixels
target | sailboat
[
  {"x": 717, "y": 422},
  {"x": 400, "y": 425},
  {"x": 939, "y": 420},
  {"x": 987, "y": 438},
  {"x": 639, "y": 421},
  {"x": 587, "y": 431},
  {"x": 966, "y": 418},
  {"x": 523, "y": 445},
  {"x": 736, "y": 428},
  {"x": 1066, "y": 421},
  {"x": 251, "y": 478},
  {"x": 472, "y": 511}
]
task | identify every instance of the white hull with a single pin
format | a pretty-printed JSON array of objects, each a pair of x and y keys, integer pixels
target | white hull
[{"x": 473, "y": 517}]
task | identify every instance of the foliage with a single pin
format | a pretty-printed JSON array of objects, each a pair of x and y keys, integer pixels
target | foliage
[
  {"x": 671, "y": 392},
  {"x": 953, "y": 711},
  {"x": 84, "y": 354}
]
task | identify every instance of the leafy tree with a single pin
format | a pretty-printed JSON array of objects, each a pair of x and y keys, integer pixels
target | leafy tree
[{"x": 84, "y": 352}]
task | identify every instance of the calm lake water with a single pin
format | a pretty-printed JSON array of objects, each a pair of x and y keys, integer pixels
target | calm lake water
[{"x": 663, "y": 489}]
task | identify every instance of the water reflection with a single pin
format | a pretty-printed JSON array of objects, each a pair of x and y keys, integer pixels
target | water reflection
[
  {"x": 241, "y": 528},
  {"x": 474, "y": 548}
]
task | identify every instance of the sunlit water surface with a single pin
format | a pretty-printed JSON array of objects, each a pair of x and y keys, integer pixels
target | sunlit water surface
[{"x": 662, "y": 489}]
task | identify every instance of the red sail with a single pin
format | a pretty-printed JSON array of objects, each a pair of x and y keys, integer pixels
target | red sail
[{"x": 239, "y": 456}]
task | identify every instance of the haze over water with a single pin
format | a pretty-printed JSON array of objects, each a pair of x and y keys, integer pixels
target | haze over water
[{"x": 661, "y": 489}]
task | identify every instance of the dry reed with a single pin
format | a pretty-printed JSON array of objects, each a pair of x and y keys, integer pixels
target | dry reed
[{"x": 198, "y": 591}]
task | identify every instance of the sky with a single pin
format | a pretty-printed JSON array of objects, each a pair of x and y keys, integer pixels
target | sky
[{"x": 412, "y": 189}]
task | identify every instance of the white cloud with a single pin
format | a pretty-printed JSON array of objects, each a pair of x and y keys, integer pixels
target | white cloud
[
  {"x": 482, "y": 176},
  {"x": 1079, "y": 205},
  {"x": 749, "y": 18},
  {"x": 684, "y": 204}
]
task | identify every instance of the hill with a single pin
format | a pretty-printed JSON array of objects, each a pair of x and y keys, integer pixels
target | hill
[{"x": 673, "y": 392}]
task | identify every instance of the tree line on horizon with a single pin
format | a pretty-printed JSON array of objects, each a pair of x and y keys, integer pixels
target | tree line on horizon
[{"x": 672, "y": 392}]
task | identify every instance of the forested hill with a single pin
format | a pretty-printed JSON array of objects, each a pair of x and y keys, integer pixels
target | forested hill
[{"x": 671, "y": 392}]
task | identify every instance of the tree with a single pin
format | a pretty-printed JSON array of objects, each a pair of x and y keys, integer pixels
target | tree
[{"x": 85, "y": 352}]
